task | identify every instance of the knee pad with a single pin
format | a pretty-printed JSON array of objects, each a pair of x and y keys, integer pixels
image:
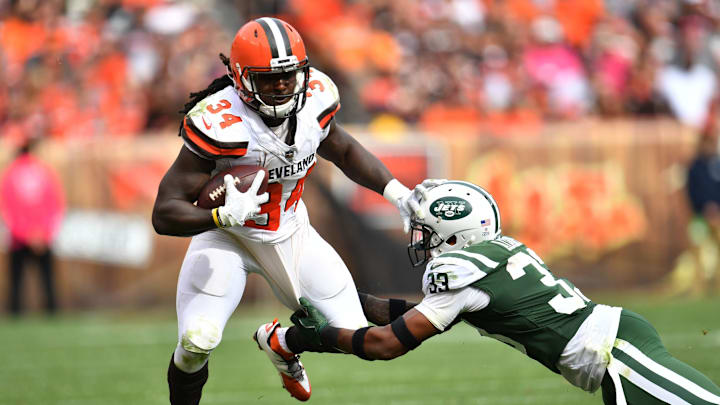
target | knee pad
[{"x": 201, "y": 336}]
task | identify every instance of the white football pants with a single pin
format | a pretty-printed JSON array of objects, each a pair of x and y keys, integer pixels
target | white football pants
[{"x": 214, "y": 273}]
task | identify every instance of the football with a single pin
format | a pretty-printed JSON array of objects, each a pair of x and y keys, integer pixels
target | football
[{"x": 213, "y": 193}]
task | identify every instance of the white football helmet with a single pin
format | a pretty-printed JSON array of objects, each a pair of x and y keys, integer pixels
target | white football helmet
[{"x": 457, "y": 214}]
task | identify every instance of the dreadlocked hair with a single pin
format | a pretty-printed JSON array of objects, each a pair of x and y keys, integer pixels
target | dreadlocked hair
[{"x": 216, "y": 85}]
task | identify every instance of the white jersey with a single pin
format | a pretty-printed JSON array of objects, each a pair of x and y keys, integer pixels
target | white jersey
[{"x": 221, "y": 127}]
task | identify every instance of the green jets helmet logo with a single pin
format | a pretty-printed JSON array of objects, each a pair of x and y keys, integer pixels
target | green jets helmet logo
[{"x": 450, "y": 208}]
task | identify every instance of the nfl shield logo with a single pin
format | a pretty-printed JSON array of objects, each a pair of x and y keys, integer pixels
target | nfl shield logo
[{"x": 290, "y": 154}]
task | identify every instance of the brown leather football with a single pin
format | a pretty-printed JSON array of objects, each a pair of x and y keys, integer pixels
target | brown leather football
[{"x": 213, "y": 193}]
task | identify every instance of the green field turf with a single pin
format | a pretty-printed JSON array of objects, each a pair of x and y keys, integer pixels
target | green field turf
[{"x": 112, "y": 358}]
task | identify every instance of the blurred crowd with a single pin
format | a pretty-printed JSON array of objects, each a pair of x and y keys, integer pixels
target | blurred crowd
[
  {"x": 503, "y": 63},
  {"x": 84, "y": 68},
  {"x": 88, "y": 68}
]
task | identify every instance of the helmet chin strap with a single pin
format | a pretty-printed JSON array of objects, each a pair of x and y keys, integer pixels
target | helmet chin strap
[
  {"x": 278, "y": 111},
  {"x": 232, "y": 77}
]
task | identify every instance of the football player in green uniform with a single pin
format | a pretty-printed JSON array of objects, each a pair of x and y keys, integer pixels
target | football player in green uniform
[{"x": 504, "y": 290}]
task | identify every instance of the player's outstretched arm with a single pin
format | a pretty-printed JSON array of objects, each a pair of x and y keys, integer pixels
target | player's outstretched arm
[
  {"x": 371, "y": 343},
  {"x": 367, "y": 170},
  {"x": 382, "y": 311},
  {"x": 358, "y": 164},
  {"x": 174, "y": 212}
]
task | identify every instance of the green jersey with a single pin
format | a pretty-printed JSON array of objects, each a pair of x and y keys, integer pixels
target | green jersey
[{"x": 528, "y": 308}]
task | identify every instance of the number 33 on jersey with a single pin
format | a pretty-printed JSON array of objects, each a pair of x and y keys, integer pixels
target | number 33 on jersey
[{"x": 222, "y": 128}]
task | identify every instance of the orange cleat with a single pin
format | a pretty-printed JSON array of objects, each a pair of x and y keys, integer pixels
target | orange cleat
[{"x": 292, "y": 372}]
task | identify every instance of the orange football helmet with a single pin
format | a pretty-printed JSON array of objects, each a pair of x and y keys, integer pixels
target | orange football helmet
[{"x": 269, "y": 46}]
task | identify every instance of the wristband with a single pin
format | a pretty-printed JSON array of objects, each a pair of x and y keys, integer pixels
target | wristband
[
  {"x": 394, "y": 190},
  {"x": 216, "y": 218},
  {"x": 358, "y": 343}
]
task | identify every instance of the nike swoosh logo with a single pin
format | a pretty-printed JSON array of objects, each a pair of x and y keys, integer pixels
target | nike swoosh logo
[
  {"x": 206, "y": 124},
  {"x": 270, "y": 325}
]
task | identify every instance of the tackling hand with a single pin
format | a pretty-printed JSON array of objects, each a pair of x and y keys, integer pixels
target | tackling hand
[
  {"x": 309, "y": 321},
  {"x": 408, "y": 201},
  {"x": 239, "y": 206}
]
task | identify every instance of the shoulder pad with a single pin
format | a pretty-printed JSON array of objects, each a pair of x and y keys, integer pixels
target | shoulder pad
[
  {"x": 213, "y": 127},
  {"x": 461, "y": 268},
  {"x": 323, "y": 98}
]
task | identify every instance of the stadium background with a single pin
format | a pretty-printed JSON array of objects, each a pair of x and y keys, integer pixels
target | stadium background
[{"x": 577, "y": 115}]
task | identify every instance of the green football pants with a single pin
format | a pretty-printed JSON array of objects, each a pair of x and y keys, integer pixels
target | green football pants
[{"x": 641, "y": 371}]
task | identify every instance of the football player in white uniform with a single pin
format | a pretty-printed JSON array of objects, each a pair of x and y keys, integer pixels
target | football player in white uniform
[
  {"x": 503, "y": 289},
  {"x": 275, "y": 111}
]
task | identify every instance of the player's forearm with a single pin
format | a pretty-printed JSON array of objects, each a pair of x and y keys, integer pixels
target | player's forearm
[
  {"x": 382, "y": 311},
  {"x": 366, "y": 170},
  {"x": 378, "y": 343},
  {"x": 354, "y": 160},
  {"x": 181, "y": 218},
  {"x": 174, "y": 212}
]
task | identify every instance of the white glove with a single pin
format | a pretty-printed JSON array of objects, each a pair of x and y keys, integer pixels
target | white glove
[
  {"x": 408, "y": 201},
  {"x": 239, "y": 207}
]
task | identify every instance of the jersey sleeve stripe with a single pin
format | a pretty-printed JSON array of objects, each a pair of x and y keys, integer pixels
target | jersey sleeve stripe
[
  {"x": 189, "y": 143},
  {"x": 206, "y": 149},
  {"x": 213, "y": 148},
  {"x": 325, "y": 116},
  {"x": 482, "y": 258},
  {"x": 214, "y": 142},
  {"x": 464, "y": 260}
]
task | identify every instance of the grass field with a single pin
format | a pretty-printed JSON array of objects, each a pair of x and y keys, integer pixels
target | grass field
[{"x": 113, "y": 358}]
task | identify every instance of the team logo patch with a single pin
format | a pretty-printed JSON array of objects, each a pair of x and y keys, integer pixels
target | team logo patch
[{"x": 450, "y": 208}]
